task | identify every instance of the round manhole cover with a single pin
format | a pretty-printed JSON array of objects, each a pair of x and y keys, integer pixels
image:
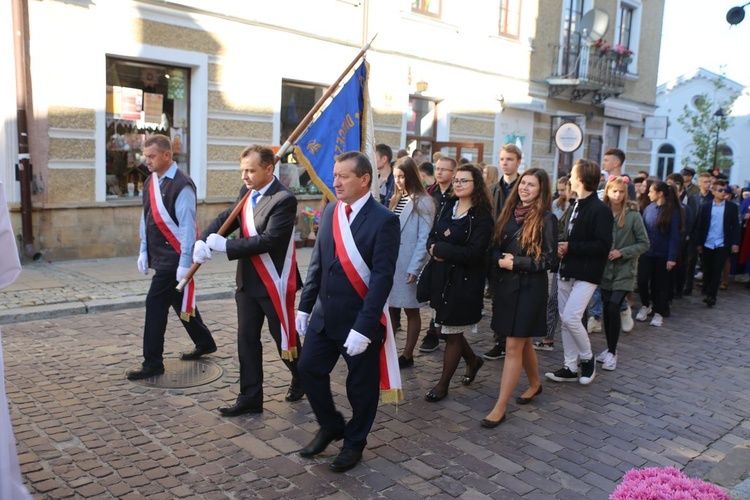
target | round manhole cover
[{"x": 180, "y": 374}]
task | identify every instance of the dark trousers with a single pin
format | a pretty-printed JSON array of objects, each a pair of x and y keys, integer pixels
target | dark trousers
[
  {"x": 362, "y": 386},
  {"x": 251, "y": 311},
  {"x": 692, "y": 263},
  {"x": 653, "y": 280},
  {"x": 612, "y": 303},
  {"x": 161, "y": 295},
  {"x": 713, "y": 264},
  {"x": 678, "y": 275}
]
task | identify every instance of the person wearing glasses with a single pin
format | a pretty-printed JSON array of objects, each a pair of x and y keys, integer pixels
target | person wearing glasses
[
  {"x": 458, "y": 242},
  {"x": 718, "y": 235},
  {"x": 441, "y": 191}
]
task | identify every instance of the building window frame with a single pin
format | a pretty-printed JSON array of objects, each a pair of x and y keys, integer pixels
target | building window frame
[
  {"x": 666, "y": 160},
  {"x": 629, "y": 12},
  {"x": 143, "y": 98},
  {"x": 510, "y": 11},
  {"x": 426, "y": 8},
  {"x": 198, "y": 65}
]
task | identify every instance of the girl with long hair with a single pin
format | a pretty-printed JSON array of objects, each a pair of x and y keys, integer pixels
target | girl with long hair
[
  {"x": 629, "y": 240},
  {"x": 416, "y": 210},
  {"x": 524, "y": 248},
  {"x": 664, "y": 221},
  {"x": 458, "y": 243}
]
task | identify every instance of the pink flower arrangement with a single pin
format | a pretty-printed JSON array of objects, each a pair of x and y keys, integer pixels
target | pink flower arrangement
[
  {"x": 655, "y": 483},
  {"x": 622, "y": 50}
]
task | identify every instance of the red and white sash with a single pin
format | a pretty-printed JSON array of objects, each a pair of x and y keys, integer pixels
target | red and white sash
[
  {"x": 281, "y": 289},
  {"x": 358, "y": 273},
  {"x": 170, "y": 229}
]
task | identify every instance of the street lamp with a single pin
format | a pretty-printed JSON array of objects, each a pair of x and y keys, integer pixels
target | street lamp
[
  {"x": 718, "y": 118},
  {"x": 735, "y": 15}
]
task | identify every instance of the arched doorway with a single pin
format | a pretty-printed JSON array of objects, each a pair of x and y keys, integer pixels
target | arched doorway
[{"x": 665, "y": 161}]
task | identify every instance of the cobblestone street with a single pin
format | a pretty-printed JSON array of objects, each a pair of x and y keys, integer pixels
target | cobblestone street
[{"x": 678, "y": 397}]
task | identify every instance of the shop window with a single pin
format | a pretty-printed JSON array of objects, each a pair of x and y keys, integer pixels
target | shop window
[
  {"x": 510, "y": 18},
  {"x": 430, "y": 8},
  {"x": 143, "y": 99},
  {"x": 421, "y": 124}
]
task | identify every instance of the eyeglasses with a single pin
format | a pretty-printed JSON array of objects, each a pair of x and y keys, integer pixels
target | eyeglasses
[
  {"x": 462, "y": 182},
  {"x": 720, "y": 190}
]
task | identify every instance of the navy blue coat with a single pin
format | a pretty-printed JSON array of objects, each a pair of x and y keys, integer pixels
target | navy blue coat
[{"x": 337, "y": 306}]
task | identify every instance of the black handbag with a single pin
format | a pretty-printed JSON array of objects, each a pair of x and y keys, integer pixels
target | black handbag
[{"x": 424, "y": 282}]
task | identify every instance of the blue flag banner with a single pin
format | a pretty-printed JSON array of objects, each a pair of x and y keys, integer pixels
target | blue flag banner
[{"x": 338, "y": 129}]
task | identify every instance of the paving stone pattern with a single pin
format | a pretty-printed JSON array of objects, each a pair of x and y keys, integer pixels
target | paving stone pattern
[{"x": 678, "y": 397}]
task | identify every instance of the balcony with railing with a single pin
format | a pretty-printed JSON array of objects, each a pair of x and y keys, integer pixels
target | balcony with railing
[{"x": 584, "y": 69}]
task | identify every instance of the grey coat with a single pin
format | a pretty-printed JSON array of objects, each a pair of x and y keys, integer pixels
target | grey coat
[{"x": 412, "y": 253}]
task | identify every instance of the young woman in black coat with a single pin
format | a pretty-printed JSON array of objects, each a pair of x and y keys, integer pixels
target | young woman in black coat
[
  {"x": 524, "y": 248},
  {"x": 458, "y": 242}
]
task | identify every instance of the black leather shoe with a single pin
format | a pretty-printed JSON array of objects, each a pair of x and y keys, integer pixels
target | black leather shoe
[
  {"x": 469, "y": 378},
  {"x": 433, "y": 396},
  {"x": 143, "y": 373},
  {"x": 710, "y": 301},
  {"x": 240, "y": 408},
  {"x": 320, "y": 442},
  {"x": 346, "y": 460},
  {"x": 491, "y": 424},
  {"x": 294, "y": 393},
  {"x": 196, "y": 353},
  {"x": 524, "y": 401}
]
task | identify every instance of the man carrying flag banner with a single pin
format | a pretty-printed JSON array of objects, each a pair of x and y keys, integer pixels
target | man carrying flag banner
[
  {"x": 344, "y": 311},
  {"x": 341, "y": 127}
]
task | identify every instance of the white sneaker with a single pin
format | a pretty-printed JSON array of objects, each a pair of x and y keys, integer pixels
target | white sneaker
[
  {"x": 657, "y": 320},
  {"x": 610, "y": 363},
  {"x": 602, "y": 356},
  {"x": 626, "y": 320},
  {"x": 594, "y": 325},
  {"x": 643, "y": 313}
]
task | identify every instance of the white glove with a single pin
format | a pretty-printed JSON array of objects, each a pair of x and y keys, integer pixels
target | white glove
[
  {"x": 356, "y": 343},
  {"x": 201, "y": 252},
  {"x": 301, "y": 321},
  {"x": 217, "y": 242},
  {"x": 182, "y": 272},
  {"x": 143, "y": 262}
]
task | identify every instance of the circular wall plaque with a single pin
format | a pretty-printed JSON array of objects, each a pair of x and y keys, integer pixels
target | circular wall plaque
[{"x": 568, "y": 137}]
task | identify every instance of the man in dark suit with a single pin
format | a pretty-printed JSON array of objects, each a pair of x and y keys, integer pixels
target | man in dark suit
[
  {"x": 338, "y": 319},
  {"x": 265, "y": 251},
  {"x": 718, "y": 235}
]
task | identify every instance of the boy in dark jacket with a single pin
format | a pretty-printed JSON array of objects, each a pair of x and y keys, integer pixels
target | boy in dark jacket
[{"x": 583, "y": 256}]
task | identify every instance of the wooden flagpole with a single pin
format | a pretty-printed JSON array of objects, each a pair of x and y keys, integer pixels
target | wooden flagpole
[{"x": 282, "y": 151}]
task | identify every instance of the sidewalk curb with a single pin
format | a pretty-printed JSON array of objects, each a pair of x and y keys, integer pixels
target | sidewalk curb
[{"x": 53, "y": 311}]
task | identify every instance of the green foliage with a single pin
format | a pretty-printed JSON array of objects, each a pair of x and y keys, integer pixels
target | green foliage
[{"x": 702, "y": 125}]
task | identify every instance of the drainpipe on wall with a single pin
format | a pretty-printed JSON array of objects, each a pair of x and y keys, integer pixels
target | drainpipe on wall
[{"x": 21, "y": 33}]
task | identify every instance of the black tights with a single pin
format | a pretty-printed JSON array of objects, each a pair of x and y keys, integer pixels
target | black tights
[
  {"x": 612, "y": 302},
  {"x": 456, "y": 347}
]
